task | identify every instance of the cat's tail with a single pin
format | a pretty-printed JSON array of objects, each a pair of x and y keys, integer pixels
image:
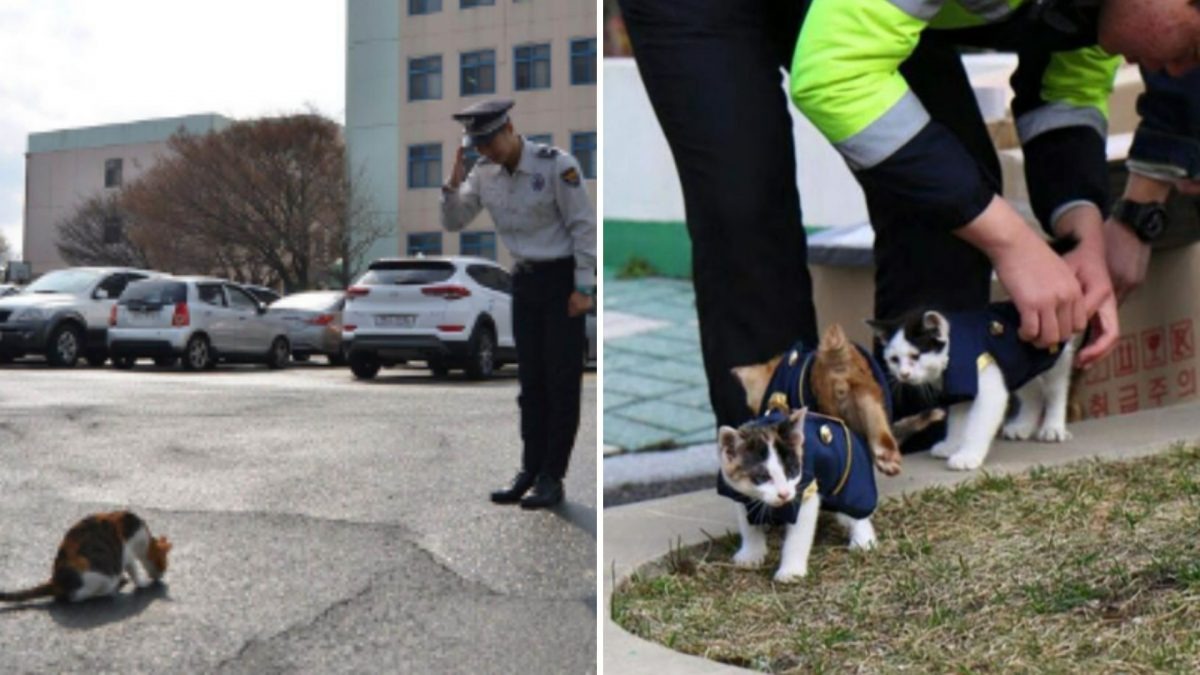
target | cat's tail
[{"x": 46, "y": 590}]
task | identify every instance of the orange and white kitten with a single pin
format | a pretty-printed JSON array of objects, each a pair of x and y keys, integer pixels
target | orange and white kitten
[{"x": 94, "y": 556}]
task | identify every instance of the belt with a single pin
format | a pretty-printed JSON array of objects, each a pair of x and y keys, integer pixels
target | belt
[{"x": 527, "y": 266}]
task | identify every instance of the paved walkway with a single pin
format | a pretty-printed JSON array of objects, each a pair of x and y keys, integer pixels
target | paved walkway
[
  {"x": 640, "y": 533},
  {"x": 655, "y": 392}
]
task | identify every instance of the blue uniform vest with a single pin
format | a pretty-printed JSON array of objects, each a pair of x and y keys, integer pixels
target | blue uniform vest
[
  {"x": 835, "y": 458},
  {"x": 990, "y": 333}
]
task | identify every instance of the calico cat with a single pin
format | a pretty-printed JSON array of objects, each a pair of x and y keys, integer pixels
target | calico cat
[
  {"x": 95, "y": 553},
  {"x": 764, "y": 461},
  {"x": 972, "y": 361}
]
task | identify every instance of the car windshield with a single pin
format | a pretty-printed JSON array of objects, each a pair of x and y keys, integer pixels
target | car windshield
[
  {"x": 407, "y": 273},
  {"x": 320, "y": 300},
  {"x": 65, "y": 281},
  {"x": 155, "y": 292}
]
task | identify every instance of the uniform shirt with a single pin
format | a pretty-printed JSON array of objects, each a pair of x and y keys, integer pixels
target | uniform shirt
[
  {"x": 791, "y": 383},
  {"x": 836, "y": 461},
  {"x": 986, "y": 339},
  {"x": 541, "y": 210}
]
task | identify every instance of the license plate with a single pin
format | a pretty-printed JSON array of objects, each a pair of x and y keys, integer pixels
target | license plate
[{"x": 395, "y": 320}]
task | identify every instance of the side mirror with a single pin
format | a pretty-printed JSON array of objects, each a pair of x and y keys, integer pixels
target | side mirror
[{"x": 262, "y": 308}]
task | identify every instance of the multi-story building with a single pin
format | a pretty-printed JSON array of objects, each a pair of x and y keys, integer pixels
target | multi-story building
[
  {"x": 411, "y": 64},
  {"x": 65, "y": 168}
]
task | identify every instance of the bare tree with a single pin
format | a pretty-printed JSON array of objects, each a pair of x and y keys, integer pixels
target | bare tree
[
  {"x": 4, "y": 247},
  {"x": 268, "y": 201},
  {"x": 97, "y": 234}
]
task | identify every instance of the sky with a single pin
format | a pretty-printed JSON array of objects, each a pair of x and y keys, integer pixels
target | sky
[{"x": 77, "y": 63}]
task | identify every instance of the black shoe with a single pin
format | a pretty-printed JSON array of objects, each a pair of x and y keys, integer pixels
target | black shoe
[
  {"x": 515, "y": 490},
  {"x": 547, "y": 492}
]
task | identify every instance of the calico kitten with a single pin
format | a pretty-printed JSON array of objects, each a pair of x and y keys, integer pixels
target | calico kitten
[
  {"x": 764, "y": 463},
  {"x": 845, "y": 387},
  {"x": 917, "y": 351},
  {"x": 95, "y": 553}
]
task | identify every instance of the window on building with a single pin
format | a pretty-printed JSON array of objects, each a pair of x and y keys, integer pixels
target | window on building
[
  {"x": 467, "y": 4},
  {"x": 478, "y": 73},
  {"x": 531, "y": 65},
  {"x": 112, "y": 172},
  {"x": 424, "y": 6},
  {"x": 481, "y": 244},
  {"x": 425, "y": 78},
  {"x": 425, "y": 165},
  {"x": 583, "y": 146},
  {"x": 113, "y": 230},
  {"x": 544, "y": 139},
  {"x": 583, "y": 61},
  {"x": 425, "y": 243}
]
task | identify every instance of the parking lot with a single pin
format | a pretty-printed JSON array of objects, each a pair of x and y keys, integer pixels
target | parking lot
[{"x": 320, "y": 524}]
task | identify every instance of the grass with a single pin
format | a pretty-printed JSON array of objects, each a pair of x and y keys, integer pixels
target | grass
[
  {"x": 1094, "y": 568},
  {"x": 637, "y": 268}
]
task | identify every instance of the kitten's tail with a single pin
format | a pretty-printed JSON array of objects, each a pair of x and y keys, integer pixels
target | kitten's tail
[{"x": 45, "y": 590}]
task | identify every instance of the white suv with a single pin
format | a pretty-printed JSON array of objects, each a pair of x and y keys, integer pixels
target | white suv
[
  {"x": 201, "y": 319},
  {"x": 452, "y": 312},
  {"x": 64, "y": 314}
]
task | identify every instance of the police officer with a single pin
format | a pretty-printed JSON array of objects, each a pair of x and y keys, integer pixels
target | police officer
[{"x": 536, "y": 196}]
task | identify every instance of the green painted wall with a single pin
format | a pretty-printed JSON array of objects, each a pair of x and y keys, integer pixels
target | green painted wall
[{"x": 663, "y": 244}]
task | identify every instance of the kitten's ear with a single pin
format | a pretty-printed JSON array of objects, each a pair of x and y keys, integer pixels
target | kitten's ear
[
  {"x": 755, "y": 379},
  {"x": 797, "y": 421},
  {"x": 883, "y": 328},
  {"x": 727, "y": 438},
  {"x": 834, "y": 337},
  {"x": 934, "y": 321}
]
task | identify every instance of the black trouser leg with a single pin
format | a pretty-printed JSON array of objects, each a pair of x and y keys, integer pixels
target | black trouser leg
[
  {"x": 920, "y": 266},
  {"x": 550, "y": 353},
  {"x": 712, "y": 71}
]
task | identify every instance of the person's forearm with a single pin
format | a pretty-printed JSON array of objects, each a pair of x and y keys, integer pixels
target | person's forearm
[
  {"x": 1145, "y": 189},
  {"x": 997, "y": 231}
]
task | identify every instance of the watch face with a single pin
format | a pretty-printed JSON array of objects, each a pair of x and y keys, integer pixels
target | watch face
[{"x": 1154, "y": 224}]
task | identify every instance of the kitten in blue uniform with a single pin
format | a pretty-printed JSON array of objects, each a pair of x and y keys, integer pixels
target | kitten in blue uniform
[
  {"x": 765, "y": 463},
  {"x": 971, "y": 362}
]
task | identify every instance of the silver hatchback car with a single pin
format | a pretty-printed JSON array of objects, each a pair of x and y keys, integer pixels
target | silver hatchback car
[
  {"x": 199, "y": 319},
  {"x": 314, "y": 321}
]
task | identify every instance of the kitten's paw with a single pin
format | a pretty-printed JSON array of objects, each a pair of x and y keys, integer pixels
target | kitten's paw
[
  {"x": 1016, "y": 432},
  {"x": 790, "y": 575},
  {"x": 942, "y": 449},
  {"x": 749, "y": 556},
  {"x": 1053, "y": 434},
  {"x": 962, "y": 461},
  {"x": 862, "y": 541},
  {"x": 888, "y": 464}
]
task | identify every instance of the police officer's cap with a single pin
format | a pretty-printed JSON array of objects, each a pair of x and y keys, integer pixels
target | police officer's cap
[{"x": 483, "y": 120}]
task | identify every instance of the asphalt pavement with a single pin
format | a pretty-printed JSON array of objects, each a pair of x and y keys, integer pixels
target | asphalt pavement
[{"x": 319, "y": 524}]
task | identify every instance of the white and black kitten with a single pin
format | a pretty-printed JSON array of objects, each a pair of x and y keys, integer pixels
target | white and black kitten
[
  {"x": 972, "y": 361},
  {"x": 765, "y": 463}
]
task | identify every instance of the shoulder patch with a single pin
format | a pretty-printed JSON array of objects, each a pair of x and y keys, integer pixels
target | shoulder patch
[
  {"x": 547, "y": 152},
  {"x": 571, "y": 176}
]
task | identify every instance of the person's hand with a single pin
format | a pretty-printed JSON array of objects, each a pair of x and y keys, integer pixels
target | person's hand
[
  {"x": 1128, "y": 258},
  {"x": 1043, "y": 287},
  {"x": 1088, "y": 262},
  {"x": 1188, "y": 186},
  {"x": 579, "y": 304},
  {"x": 459, "y": 173}
]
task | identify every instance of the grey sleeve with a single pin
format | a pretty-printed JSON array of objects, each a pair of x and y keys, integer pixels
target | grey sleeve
[
  {"x": 578, "y": 217},
  {"x": 459, "y": 207}
]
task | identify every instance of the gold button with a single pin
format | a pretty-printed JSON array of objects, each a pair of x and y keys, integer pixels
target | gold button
[
  {"x": 793, "y": 357},
  {"x": 826, "y": 434},
  {"x": 778, "y": 401},
  {"x": 1053, "y": 349},
  {"x": 997, "y": 328}
]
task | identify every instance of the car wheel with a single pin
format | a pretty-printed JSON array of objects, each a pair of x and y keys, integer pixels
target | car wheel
[
  {"x": 364, "y": 365},
  {"x": 63, "y": 349},
  {"x": 96, "y": 359},
  {"x": 165, "y": 361},
  {"x": 300, "y": 358},
  {"x": 439, "y": 367},
  {"x": 197, "y": 355},
  {"x": 280, "y": 354},
  {"x": 481, "y": 354},
  {"x": 123, "y": 362}
]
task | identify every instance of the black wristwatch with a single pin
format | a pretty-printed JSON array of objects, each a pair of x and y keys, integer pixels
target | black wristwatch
[{"x": 1148, "y": 220}]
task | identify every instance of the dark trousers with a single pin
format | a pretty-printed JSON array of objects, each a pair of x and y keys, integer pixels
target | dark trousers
[
  {"x": 550, "y": 348},
  {"x": 712, "y": 69}
]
